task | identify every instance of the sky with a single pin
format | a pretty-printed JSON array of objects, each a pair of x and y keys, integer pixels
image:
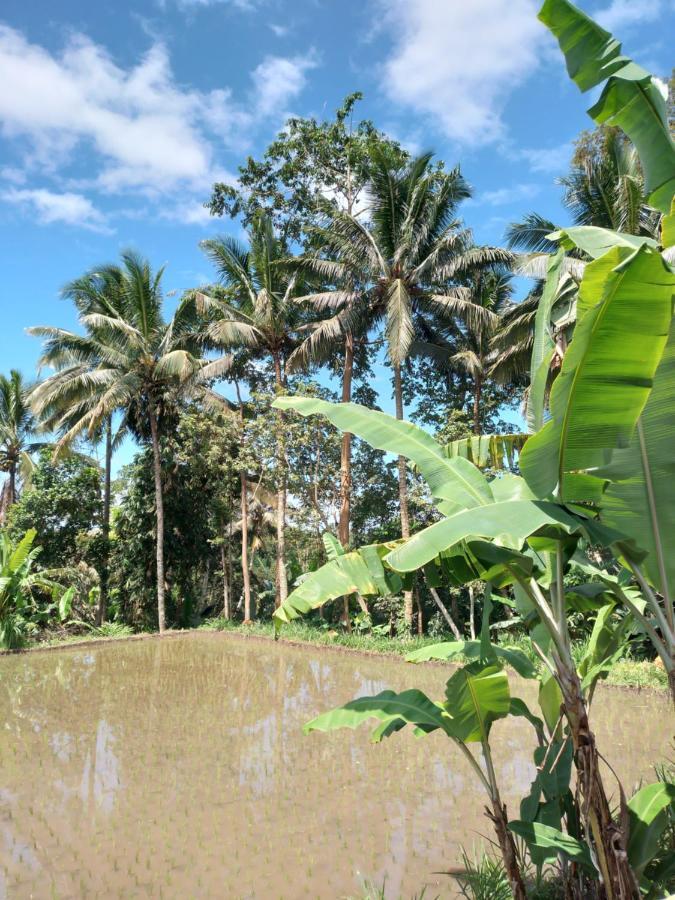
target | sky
[{"x": 116, "y": 118}]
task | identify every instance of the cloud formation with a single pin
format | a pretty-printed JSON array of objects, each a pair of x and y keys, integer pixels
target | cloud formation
[
  {"x": 67, "y": 208},
  {"x": 459, "y": 62},
  {"x": 137, "y": 127}
]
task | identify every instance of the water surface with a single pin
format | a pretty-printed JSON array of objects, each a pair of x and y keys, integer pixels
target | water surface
[{"x": 177, "y": 767}]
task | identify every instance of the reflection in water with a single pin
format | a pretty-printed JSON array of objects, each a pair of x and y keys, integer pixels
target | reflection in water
[{"x": 177, "y": 767}]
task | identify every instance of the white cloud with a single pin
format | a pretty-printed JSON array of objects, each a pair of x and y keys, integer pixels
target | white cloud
[
  {"x": 622, "y": 13},
  {"x": 68, "y": 208},
  {"x": 506, "y": 195},
  {"x": 547, "y": 160},
  {"x": 279, "y": 30},
  {"x": 278, "y": 79},
  {"x": 459, "y": 61},
  {"x": 147, "y": 132}
]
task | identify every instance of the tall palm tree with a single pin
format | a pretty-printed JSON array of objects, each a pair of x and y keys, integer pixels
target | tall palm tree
[
  {"x": 132, "y": 361},
  {"x": 257, "y": 310},
  {"x": 69, "y": 393},
  {"x": 18, "y": 432},
  {"x": 407, "y": 259}
]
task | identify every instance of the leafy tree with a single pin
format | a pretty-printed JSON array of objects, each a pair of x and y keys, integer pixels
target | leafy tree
[
  {"x": 63, "y": 506},
  {"x": 137, "y": 365},
  {"x": 17, "y": 436},
  {"x": 311, "y": 168}
]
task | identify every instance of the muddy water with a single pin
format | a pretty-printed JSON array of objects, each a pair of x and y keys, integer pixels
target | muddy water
[{"x": 177, "y": 768}]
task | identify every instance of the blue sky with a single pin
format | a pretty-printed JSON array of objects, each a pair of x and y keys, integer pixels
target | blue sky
[{"x": 115, "y": 119}]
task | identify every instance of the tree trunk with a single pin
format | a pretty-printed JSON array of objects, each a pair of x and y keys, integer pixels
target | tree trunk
[
  {"x": 281, "y": 578},
  {"x": 159, "y": 516},
  {"x": 606, "y": 836},
  {"x": 507, "y": 846},
  {"x": 11, "y": 491},
  {"x": 443, "y": 610},
  {"x": 227, "y": 612},
  {"x": 245, "y": 571},
  {"x": 477, "y": 391},
  {"x": 403, "y": 493},
  {"x": 346, "y": 459},
  {"x": 105, "y": 574}
]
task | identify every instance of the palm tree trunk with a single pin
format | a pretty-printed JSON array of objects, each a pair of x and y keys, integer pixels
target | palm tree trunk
[
  {"x": 477, "y": 391},
  {"x": 103, "y": 599},
  {"x": 11, "y": 491},
  {"x": 281, "y": 578},
  {"x": 245, "y": 572},
  {"x": 159, "y": 517},
  {"x": 403, "y": 493},
  {"x": 346, "y": 459}
]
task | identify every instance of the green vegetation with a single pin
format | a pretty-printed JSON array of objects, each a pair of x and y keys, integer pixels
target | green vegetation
[{"x": 256, "y": 496}]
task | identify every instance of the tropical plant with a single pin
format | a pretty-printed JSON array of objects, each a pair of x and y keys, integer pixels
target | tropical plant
[
  {"x": 256, "y": 310},
  {"x": 406, "y": 261},
  {"x": 21, "y": 585},
  {"x": 132, "y": 361},
  {"x": 18, "y": 432}
]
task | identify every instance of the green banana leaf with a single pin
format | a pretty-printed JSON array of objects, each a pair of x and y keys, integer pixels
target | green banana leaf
[
  {"x": 333, "y": 546},
  {"x": 454, "y": 480},
  {"x": 510, "y": 523},
  {"x": 647, "y": 817},
  {"x": 472, "y": 650},
  {"x": 597, "y": 241},
  {"x": 476, "y": 696},
  {"x": 630, "y": 99},
  {"x": 553, "y": 841},
  {"x": 412, "y": 707},
  {"x": 359, "y": 571},
  {"x": 496, "y": 451},
  {"x": 607, "y": 373},
  {"x": 640, "y": 497},
  {"x": 543, "y": 346}
]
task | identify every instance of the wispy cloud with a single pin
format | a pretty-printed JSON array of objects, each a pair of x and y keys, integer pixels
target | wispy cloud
[
  {"x": 459, "y": 62},
  {"x": 507, "y": 195},
  {"x": 622, "y": 13},
  {"x": 67, "y": 208}
]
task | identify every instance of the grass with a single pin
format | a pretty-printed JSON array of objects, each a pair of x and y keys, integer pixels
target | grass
[{"x": 627, "y": 672}]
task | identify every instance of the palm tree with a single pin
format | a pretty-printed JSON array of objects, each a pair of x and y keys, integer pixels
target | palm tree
[
  {"x": 407, "y": 260},
  {"x": 604, "y": 187},
  {"x": 256, "y": 310},
  {"x": 17, "y": 436},
  {"x": 69, "y": 394},
  {"x": 131, "y": 361},
  {"x": 468, "y": 348}
]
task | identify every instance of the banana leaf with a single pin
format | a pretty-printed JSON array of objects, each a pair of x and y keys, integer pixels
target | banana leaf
[
  {"x": 597, "y": 241},
  {"x": 624, "y": 314},
  {"x": 496, "y": 451},
  {"x": 630, "y": 100},
  {"x": 472, "y": 650},
  {"x": 476, "y": 696},
  {"x": 454, "y": 480},
  {"x": 640, "y": 497}
]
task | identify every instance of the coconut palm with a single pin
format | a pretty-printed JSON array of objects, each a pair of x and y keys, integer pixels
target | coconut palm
[
  {"x": 604, "y": 187},
  {"x": 468, "y": 348},
  {"x": 131, "y": 361},
  {"x": 18, "y": 433},
  {"x": 255, "y": 308},
  {"x": 407, "y": 260},
  {"x": 68, "y": 395}
]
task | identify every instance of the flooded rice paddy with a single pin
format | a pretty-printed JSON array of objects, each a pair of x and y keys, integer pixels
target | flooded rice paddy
[{"x": 177, "y": 767}]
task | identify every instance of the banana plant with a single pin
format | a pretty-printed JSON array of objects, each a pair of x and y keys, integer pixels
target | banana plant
[{"x": 19, "y": 584}]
